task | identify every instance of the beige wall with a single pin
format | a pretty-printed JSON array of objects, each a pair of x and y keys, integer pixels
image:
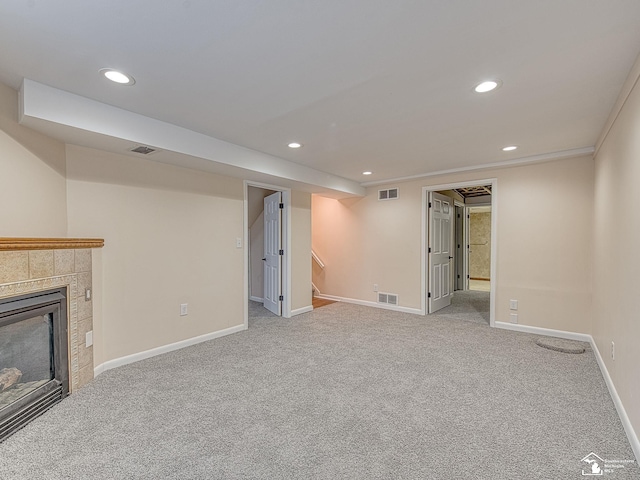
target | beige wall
[
  {"x": 301, "y": 294},
  {"x": 32, "y": 177},
  {"x": 617, "y": 263},
  {"x": 256, "y": 253},
  {"x": 480, "y": 245},
  {"x": 543, "y": 241},
  {"x": 363, "y": 241},
  {"x": 255, "y": 215},
  {"x": 170, "y": 238}
]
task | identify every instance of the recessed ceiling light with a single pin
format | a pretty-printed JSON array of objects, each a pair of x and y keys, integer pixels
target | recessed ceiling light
[
  {"x": 294, "y": 145},
  {"x": 367, "y": 173},
  {"x": 117, "y": 77},
  {"x": 487, "y": 86},
  {"x": 509, "y": 148}
]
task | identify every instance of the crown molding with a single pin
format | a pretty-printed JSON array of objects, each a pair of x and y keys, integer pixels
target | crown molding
[
  {"x": 545, "y": 157},
  {"x": 625, "y": 91}
]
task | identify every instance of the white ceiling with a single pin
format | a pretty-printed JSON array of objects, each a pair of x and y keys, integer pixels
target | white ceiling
[{"x": 364, "y": 84}]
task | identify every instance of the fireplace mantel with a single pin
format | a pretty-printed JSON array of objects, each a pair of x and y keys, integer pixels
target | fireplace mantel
[{"x": 12, "y": 244}]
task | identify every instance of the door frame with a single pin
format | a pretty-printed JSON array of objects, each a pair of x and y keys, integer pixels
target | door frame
[
  {"x": 286, "y": 246},
  {"x": 494, "y": 239},
  {"x": 460, "y": 257}
]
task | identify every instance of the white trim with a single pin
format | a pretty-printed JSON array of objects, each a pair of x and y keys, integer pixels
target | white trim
[
  {"x": 299, "y": 311},
  {"x": 545, "y": 157},
  {"x": 136, "y": 357},
  {"x": 494, "y": 252},
  {"x": 424, "y": 259},
  {"x": 625, "y": 91},
  {"x": 98, "y": 370},
  {"x": 583, "y": 337},
  {"x": 548, "y": 332},
  {"x": 624, "y": 418},
  {"x": 315, "y": 256},
  {"x": 384, "y": 306},
  {"x": 286, "y": 245},
  {"x": 64, "y": 115},
  {"x": 494, "y": 239},
  {"x": 256, "y": 299},
  {"x": 316, "y": 289}
]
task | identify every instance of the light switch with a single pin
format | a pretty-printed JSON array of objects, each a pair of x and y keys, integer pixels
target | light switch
[{"x": 88, "y": 338}]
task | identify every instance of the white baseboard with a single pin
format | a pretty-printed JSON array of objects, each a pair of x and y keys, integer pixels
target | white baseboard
[
  {"x": 624, "y": 418},
  {"x": 256, "y": 299},
  {"x": 583, "y": 337},
  {"x": 580, "y": 337},
  {"x": 136, "y": 357},
  {"x": 299, "y": 311},
  {"x": 415, "y": 311}
]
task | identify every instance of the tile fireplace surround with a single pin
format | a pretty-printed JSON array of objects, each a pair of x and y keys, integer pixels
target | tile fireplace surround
[{"x": 35, "y": 264}]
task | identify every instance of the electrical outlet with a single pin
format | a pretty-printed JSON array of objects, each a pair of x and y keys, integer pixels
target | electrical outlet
[
  {"x": 613, "y": 351},
  {"x": 87, "y": 294},
  {"x": 513, "y": 304},
  {"x": 238, "y": 242},
  {"x": 375, "y": 287},
  {"x": 513, "y": 317},
  {"x": 184, "y": 309}
]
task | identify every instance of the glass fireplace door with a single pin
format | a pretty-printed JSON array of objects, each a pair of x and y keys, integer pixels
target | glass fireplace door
[{"x": 26, "y": 356}]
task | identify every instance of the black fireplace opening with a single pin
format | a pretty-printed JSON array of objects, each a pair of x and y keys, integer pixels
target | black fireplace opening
[{"x": 34, "y": 358}]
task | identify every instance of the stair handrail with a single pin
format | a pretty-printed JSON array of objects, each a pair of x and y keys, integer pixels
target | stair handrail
[{"x": 317, "y": 259}]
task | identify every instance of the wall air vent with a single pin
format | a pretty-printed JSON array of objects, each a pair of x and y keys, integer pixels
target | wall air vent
[
  {"x": 388, "y": 298},
  {"x": 389, "y": 194},
  {"x": 143, "y": 150}
]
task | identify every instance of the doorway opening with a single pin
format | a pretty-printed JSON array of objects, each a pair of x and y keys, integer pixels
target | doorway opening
[
  {"x": 267, "y": 228},
  {"x": 459, "y": 248}
]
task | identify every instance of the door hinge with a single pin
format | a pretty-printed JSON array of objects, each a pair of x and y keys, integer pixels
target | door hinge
[
  {"x": 429, "y": 250},
  {"x": 429, "y": 295},
  {"x": 468, "y": 277},
  {"x": 281, "y": 298},
  {"x": 458, "y": 276},
  {"x": 429, "y": 204},
  {"x": 280, "y": 252},
  {"x": 281, "y": 205}
]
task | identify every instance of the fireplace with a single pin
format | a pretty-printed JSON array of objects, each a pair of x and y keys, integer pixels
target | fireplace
[{"x": 34, "y": 356}]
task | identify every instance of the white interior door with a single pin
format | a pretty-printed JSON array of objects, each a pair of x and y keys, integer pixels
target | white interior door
[
  {"x": 273, "y": 253},
  {"x": 439, "y": 251}
]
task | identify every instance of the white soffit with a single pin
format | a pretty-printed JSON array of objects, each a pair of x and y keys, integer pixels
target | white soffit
[{"x": 47, "y": 109}]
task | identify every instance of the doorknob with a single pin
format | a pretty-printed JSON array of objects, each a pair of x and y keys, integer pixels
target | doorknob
[{"x": 450, "y": 258}]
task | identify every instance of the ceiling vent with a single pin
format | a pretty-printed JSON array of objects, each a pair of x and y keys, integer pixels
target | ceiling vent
[
  {"x": 143, "y": 150},
  {"x": 389, "y": 194}
]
